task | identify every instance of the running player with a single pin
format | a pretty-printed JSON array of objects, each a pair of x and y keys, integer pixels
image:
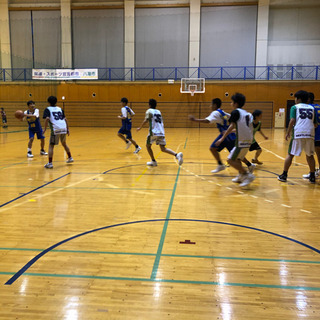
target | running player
[
  {"x": 156, "y": 133},
  {"x": 219, "y": 117},
  {"x": 32, "y": 116},
  {"x": 126, "y": 116},
  {"x": 4, "y": 118},
  {"x": 302, "y": 124},
  {"x": 316, "y": 133},
  {"x": 54, "y": 116},
  {"x": 242, "y": 121}
]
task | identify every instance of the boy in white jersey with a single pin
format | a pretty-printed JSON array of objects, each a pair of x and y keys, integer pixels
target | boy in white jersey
[
  {"x": 156, "y": 133},
  {"x": 242, "y": 121},
  {"x": 59, "y": 129},
  {"x": 302, "y": 124}
]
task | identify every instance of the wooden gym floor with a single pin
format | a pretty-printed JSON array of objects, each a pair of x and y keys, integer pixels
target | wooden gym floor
[{"x": 108, "y": 238}]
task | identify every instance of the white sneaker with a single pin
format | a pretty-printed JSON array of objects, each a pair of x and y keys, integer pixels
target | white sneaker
[
  {"x": 252, "y": 167},
  {"x": 152, "y": 163},
  {"x": 43, "y": 153},
  {"x": 307, "y": 176},
  {"x": 69, "y": 160},
  {"x": 137, "y": 150},
  {"x": 179, "y": 157},
  {"x": 248, "y": 178},
  {"x": 238, "y": 179},
  {"x": 128, "y": 144},
  {"x": 29, "y": 154},
  {"x": 48, "y": 165},
  {"x": 219, "y": 168}
]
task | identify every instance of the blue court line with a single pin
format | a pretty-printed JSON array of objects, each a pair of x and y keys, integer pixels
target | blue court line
[
  {"x": 37, "y": 257},
  {"x": 214, "y": 283},
  {"x": 167, "y": 255},
  {"x": 23, "y": 195},
  {"x": 164, "y": 231}
]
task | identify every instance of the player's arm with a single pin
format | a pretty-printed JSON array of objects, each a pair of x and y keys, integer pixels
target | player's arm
[
  {"x": 123, "y": 114},
  {"x": 192, "y": 118},
  {"x": 291, "y": 124},
  {"x": 27, "y": 115},
  {"x": 142, "y": 124},
  {"x": 46, "y": 122},
  {"x": 263, "y": 134},
  {"x": 226, "y": 133}
]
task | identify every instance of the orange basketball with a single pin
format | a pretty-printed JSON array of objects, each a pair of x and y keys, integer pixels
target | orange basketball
[{"x": 19, "y": 114}]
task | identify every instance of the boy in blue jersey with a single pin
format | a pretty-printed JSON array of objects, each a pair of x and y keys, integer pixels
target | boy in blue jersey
[
  {"x": 126, "y": 116},
  {"x": 219, "y": 117},
  {"x": 316, "y": 133},
  {"x": 4, "y": 118},
  {"x": 32, "y": 117}
]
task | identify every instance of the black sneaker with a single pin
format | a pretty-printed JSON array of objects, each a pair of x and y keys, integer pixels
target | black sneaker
[
  {"x": 282, "y": 178},
  {"x": 312, "y": 179}
]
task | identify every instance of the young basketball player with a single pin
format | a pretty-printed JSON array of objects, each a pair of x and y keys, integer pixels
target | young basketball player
[
  {"x": 4, "y": 118},
  {"x": 316, "y": 133},
  {"x": 302, "y": 124},
  {"x": 257, "y": 116},
  {"x": 242, "y": 121},
  {"x": 156, "y": 133},
  {"x": 219, "y": 117},
  {"x": 32, "y": 116},
  {"x": 126, "y": 117},
  {"x": 55, "y": 118}
]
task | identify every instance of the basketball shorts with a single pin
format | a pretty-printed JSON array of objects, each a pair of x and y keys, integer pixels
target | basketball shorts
[
  {"x": 54, "y": 138},
  {"x": 159, "y": 140},
  {"x": 238, "y": 153},
  {"x": 126, "y": 131},
  {"x": 254, "y": 146},
  {"x": 38, "y": 133},
  {"x": 4, "y": 120},
  {"x": 227, "y": 143},
  {"x": 297, "y": 145}
]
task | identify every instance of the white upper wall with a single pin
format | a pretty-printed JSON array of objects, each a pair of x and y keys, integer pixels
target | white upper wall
[{"x": 294, "y": 36}]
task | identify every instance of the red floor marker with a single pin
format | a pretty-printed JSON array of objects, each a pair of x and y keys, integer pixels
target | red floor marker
[{"x": 187, "y": 242}]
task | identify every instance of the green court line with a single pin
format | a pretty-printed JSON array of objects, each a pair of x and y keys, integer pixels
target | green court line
[
  {"x": 166, "y": 255},
  {"x": 12, "y": 131},
  {"x": 185, "y": 144},
  {"x": 229, "y": 284},
  {"x": 164, "y": 230}
]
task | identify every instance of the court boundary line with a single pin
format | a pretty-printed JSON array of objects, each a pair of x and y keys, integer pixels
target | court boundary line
[
  {"x": 166, "y": 255},
  {"x": 37, "y": 257},
  {"x": 229, "y": 284},
  {"x": 27, "y": 193}
]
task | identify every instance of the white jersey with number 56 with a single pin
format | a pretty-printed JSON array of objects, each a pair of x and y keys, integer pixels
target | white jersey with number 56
[{"x": 156, "y": 127}]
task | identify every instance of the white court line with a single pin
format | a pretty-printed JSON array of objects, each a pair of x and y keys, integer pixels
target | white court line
[
  {"x": 272, "y": 190},
  {"x": 284, "y": 205},
  {"x": 266, "y": 200},
  {"x": 252, "y": 196},
  {"x": 306, "y": 211}
]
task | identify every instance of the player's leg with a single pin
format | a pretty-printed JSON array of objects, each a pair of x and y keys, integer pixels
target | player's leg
[
  {"x": 153, "y": 162},
  {"x": 295, "y": 149},
  {"x": 309, "y": 149},
  {"x": 255, "y": 146},
  {"x": 54, "y": 140},
  {"x": 178, "y": 156},
  {"x": 129, "y": 137},
  {"x": 41, "y": 137},
  {"x": 122, "y": 131},
  {"x": 317, "y": 150},
  {"x": 30, "y": 142},
  {"x": 63, "y": 139},
  {"x": 215, "y": 150}
]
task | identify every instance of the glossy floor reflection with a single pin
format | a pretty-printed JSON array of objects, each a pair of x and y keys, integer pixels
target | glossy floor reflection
[{"x": 126, "y": 241}]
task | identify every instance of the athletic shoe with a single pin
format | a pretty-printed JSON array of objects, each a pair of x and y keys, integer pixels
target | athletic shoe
[
  {"x": 48, "y": 165},
  {"x": 219, "y": 168},
  {"x": 252, "y": 167},
  {"x": 152, "y": 163},
  {"x": 256, "y": 161},
  {"x": 69, "y": 160},
  {"x": 307, "y": 176},
  {"x": 137, "y": 150},
  {"x": 128, "y": 144},
  {"x": 248, "y": 178},
  {"x": 238, "y": 179},
  {"x": 43, "y": 153},
  {"x": 29, "y": 154},
  {"x": 312, "y": 179},
  {"x": 179, "y": 157},
  {"x": 282, "y": 178}
]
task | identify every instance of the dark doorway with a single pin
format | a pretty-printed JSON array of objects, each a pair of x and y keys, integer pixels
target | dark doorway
[{"x": 290, "y": 103}]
